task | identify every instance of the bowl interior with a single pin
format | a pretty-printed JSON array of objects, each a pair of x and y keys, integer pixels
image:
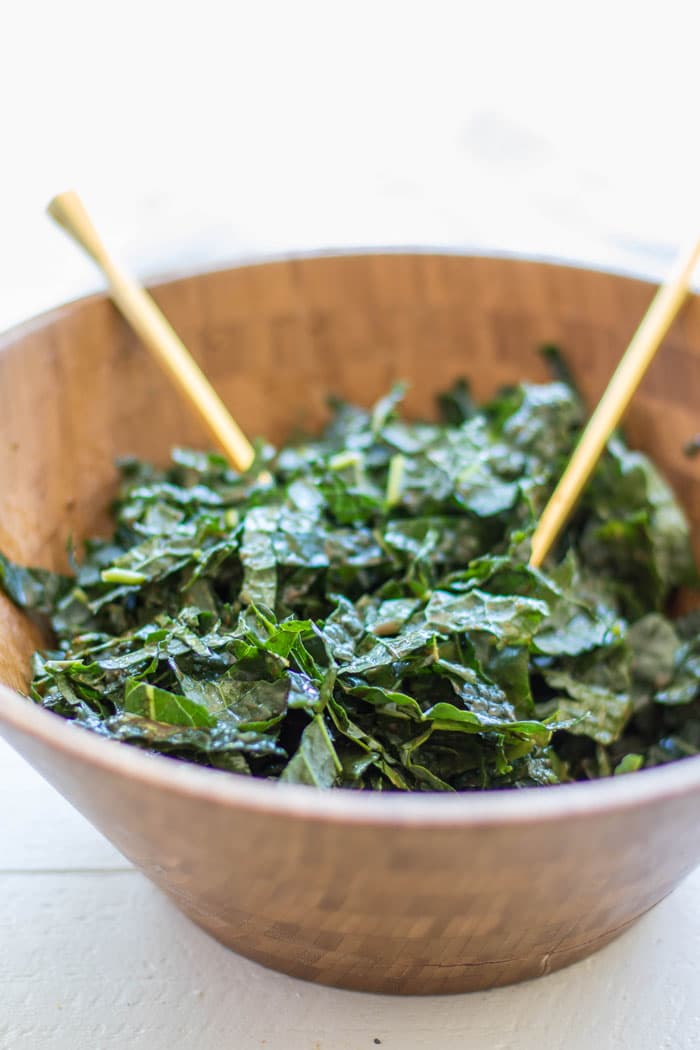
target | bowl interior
[{"x": 77, "y": 390}]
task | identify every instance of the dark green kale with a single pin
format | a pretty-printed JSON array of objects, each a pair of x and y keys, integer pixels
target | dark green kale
[{"x": 359, "y": 611}]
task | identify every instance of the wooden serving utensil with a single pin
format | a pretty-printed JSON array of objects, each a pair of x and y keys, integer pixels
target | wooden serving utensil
[
  {"x": 613, "y": 404},
  {"x": 160, "y": 338}
]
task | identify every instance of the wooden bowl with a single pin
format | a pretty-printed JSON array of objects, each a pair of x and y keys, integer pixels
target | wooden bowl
[{"x": 388, "y": 893}]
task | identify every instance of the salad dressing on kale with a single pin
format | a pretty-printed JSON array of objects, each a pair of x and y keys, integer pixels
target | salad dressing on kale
[{"x": 365, "y": 615}]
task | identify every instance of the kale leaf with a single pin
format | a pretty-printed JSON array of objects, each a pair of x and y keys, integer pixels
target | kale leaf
[{"x": 362, "y": 614}]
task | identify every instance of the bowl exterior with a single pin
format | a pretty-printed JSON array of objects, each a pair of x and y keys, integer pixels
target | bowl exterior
[{"x": 401, "y": 907}]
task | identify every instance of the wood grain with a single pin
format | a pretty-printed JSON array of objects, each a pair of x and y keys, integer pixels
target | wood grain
[{"x": 374, "y": 893}]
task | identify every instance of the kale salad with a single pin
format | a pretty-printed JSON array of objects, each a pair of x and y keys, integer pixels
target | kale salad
[{"x": 357, "y": 610}]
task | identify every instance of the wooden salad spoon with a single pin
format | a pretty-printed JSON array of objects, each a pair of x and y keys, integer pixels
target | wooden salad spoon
[
  {"x": 613, "y": 404},
  {"x": 160, "y": 338}
]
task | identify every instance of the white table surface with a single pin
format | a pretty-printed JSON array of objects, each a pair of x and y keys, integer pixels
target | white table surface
[{"x": 204, "y": 132}]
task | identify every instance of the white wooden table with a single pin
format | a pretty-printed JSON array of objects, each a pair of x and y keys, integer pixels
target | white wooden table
[
  {"x": 199, "y": 133},
  {"x": 92, "y": 957}
]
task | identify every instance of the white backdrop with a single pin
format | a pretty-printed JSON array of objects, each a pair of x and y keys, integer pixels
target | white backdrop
[{"x": 199, "y": 132}]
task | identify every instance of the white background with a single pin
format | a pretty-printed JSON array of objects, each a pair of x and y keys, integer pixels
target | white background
[{"x": 200, "y": 132}]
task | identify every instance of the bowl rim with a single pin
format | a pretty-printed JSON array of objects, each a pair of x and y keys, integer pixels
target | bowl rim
[
  {"x": 461, "y": 809},
  {"x": 19, "y": 329},
  {"x": 343, "y": 805}
]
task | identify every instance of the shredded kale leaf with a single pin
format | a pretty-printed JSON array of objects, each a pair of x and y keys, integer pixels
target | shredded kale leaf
[{"x": 357, "y": 610}]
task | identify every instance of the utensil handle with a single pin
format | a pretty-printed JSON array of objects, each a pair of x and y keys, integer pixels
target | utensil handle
[
  {"x": 160, "y": 338},
  {"x": 612, "y": 405}
]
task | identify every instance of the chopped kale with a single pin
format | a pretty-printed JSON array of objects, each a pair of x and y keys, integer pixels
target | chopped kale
[{"x": 361, "y": 612}]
